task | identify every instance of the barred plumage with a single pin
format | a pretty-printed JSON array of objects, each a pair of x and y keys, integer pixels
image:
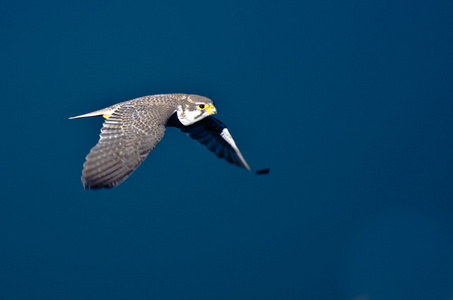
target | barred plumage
[{"x": 133, "y": 128}]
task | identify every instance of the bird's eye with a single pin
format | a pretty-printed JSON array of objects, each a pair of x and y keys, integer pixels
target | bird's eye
[{"x": 201, "y": 106}]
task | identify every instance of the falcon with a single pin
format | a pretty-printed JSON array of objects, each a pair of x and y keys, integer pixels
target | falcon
[{"x": 133, "y": 128}]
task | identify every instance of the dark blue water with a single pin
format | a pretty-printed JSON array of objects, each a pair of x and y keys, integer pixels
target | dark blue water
[{"x": 350, "y": 105}]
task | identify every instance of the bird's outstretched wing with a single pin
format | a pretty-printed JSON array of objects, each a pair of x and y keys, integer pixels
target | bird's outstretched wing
[
  {"x": 125, "y": 141},
  {"x": 215, "y": 136}
]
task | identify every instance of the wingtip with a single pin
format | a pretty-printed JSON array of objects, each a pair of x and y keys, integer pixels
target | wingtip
[{"x": 263, "y": 171}]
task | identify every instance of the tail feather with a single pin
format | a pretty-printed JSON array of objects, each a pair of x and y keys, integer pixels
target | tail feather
[{"x": 105, "y": 111}]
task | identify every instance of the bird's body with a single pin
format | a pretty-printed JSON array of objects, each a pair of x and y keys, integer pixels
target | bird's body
[{"x": 133, "y": 128}]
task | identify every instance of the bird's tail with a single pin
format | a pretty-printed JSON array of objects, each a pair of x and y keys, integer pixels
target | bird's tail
[{"x": 106, "y": 112}]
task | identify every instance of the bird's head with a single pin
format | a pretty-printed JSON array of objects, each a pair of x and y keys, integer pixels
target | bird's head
[{"x": 193, "y": 108}]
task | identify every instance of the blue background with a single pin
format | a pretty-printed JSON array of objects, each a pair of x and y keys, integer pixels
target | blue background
[{"x": 349, "y": 102}]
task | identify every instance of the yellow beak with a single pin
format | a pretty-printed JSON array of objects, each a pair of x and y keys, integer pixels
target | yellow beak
[{"x": 211, "y": 109}]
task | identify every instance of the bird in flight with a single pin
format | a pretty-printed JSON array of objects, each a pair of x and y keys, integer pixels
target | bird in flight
[{"x": 133, "y": 128}]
